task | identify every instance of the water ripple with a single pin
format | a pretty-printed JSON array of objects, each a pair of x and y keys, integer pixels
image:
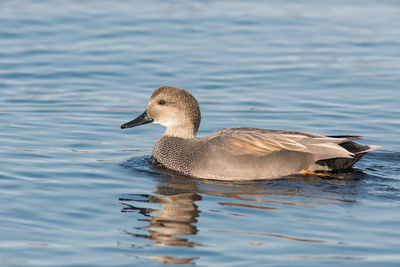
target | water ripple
[{"x": 78, "y": 191}]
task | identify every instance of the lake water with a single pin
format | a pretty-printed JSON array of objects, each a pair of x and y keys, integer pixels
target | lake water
[{"x": 75, "y": 190}]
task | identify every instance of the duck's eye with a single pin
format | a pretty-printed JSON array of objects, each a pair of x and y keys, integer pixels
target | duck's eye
[{"x": 161, "y": 102}]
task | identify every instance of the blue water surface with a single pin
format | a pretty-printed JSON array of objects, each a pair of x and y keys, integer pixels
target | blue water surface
[{"x": 75, "y": 190}]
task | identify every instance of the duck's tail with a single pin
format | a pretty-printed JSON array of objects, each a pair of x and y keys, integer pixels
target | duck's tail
[{"x": 340, "y": 164}]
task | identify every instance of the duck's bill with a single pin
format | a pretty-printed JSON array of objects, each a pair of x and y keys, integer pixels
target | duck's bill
[{"x": 142, "y": 119}]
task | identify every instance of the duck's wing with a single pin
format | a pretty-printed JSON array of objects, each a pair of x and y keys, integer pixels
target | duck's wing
[
  {"x": 239, "y": 141},
  {"x": 253, "y": 141}
]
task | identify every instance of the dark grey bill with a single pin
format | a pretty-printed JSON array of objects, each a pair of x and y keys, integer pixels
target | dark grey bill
[{"x": 142, "y": 119}]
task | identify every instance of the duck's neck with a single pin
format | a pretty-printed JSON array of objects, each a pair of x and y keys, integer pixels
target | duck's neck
[{"x": 181, "y": 132}]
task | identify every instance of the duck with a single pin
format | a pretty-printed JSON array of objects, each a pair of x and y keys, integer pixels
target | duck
[{"x": 240, "y": 153}]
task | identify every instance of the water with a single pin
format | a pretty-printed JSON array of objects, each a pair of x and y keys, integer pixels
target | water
[{"x": 76, "y": 190}]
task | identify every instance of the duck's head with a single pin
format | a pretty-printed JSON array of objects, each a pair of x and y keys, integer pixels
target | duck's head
[{"x": 174, "y": 108}]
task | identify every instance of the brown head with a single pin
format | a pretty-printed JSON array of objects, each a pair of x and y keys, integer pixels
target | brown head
[{"x": 174, "y": 108}]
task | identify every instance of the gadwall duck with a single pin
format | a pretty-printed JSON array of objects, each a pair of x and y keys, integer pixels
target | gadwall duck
[{"x": 238, "y": 153}]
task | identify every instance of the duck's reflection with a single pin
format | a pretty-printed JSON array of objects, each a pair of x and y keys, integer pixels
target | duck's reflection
[{"x": 176, "y": 216}]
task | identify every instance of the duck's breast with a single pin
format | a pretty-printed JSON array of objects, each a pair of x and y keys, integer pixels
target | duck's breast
[{"x": 178, "y": 154}]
